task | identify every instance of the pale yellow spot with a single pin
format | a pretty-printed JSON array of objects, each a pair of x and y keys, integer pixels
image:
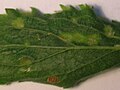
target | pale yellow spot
[
  {"x": 25, "y": 63},
  {"x": 109, "y": 31},
  {"x": 67, "y": 36},
  {"x": 93, "y": 39},
  {"x": 18, "y": 23}
]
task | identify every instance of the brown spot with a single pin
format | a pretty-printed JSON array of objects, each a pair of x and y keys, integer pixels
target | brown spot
[{"x": 53, "y": 79}]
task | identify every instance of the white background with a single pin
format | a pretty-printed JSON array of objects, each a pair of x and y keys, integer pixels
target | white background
[{"x": 110, "y": 9}]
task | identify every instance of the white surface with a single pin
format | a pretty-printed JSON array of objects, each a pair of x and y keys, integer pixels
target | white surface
[{"x": 111, "y": 9}]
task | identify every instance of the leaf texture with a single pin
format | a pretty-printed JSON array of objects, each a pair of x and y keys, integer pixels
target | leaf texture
[{"x": 63, "y": 49}]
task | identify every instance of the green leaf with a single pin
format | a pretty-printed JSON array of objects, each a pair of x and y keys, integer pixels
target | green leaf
[
  {"x": 12, "y": 12},
  {"x": 64, "y": 7},
  {"x": 71, "y": 12},
  {"x": 62, "y": 49},
  {"x": 35, "y": 12}
]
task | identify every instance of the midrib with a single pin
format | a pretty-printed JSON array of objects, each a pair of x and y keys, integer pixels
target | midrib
[{"x": 61, "y": 47}]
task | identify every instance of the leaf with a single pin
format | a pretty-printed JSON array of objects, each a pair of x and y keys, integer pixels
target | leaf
[
  {"x": 35, "y": 12},
  {"x": 64, "y": 7},
  {"x": 12, "y": 12},
  {"x": 62, "y": 49},
  {"x": 73, "y": 13}
]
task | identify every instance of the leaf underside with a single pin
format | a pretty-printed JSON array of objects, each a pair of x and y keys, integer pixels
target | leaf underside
[{"x": 63, "y": 49}]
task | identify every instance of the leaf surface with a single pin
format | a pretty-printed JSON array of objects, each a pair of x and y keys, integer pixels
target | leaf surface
[{"x": 62, "y": 49}]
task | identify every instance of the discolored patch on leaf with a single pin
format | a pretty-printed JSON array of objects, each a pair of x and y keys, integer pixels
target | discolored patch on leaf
[
  {"x": 53, "y": 79},
  {"x": 18, "y": 23},
  {"x": 25, "y": 60},
  {"x": 109, "y": 31},
  {"x": 94, "y": 39}
]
